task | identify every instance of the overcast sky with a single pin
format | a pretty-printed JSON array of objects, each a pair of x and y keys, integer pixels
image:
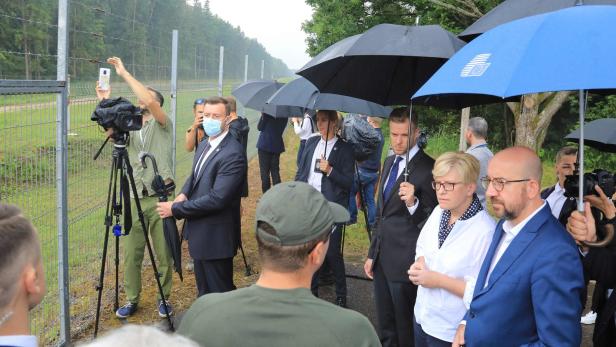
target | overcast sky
[{"x": 276, "y": 24}]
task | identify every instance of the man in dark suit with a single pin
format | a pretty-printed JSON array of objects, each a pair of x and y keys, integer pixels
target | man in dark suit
[
  {"x": 600, "y": 262},
  {"x": 208, "y": 200},
  {"x": 561, "y": 205},
  {"x": 269, "y": 146},
  {"x": 327, "y": 165},
  {"x": 402, "y": 208},
  {"x": 528, "y": 290}
]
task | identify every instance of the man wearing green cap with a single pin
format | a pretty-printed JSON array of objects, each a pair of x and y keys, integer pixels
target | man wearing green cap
[{"x": 294, "y": 222}]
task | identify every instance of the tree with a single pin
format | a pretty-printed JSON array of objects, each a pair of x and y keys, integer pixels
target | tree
[{"x": 334, "y": 20}]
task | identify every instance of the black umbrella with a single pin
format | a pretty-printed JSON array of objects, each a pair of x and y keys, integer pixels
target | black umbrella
[
  {"x": 300, "y": 95},
  {"x": 515, "y": 9},
  {"x": 386, "y": 64},
  {"x": 599, "y": 134},
  {"x": 254, "y": 94},
  {"x": 170, "y": 228}
]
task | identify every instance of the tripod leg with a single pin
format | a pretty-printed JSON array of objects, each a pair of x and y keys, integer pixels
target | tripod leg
[
  {"x": 342, "y": 243},
  {"x": 129, "y": 171},
  {"x": 108, "y": 221},
  {"x": 248, "y": 269},
  {"x": 363, "y": 202}
]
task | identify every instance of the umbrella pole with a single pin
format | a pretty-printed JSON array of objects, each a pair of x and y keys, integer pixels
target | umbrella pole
[
  {"x": 326, "y": 139},
  {"x": 580, "y": 202},
  {"x": 364, "y": 208},
  {"x": 408, "y": 144}
]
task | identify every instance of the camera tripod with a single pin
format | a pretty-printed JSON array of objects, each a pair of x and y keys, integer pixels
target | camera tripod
[{"x": 120, "y": 166}]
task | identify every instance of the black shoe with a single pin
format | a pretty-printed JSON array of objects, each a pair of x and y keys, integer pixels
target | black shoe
[{"x": 341, "y": 301}]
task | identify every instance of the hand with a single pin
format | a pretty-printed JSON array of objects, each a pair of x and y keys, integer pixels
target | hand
[
  {"x": 602, "y": 202},
  {"x": 164, "y": 209},
  {"x": 102, "y": 94},
  {"x": 368, "y": 268},
  {"x": 197, "y": 122},
  {"x": 458, "y": 339},
  {"x": 582, "y": 226},
  {"x": 180, "y": 198},
  {"x": 324, "y": 166},
  {"x": 407, "y": 193},
  {"x": 119, "y": 66},
  {"x": 420, "y": 275}
]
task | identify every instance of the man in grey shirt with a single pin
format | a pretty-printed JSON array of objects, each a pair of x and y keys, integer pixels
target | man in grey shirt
[{"x": 476, "y": 134}]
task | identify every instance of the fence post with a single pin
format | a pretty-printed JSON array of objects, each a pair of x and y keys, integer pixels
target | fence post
[
  {"x": 221, "y": 60},
  {"x": 62, "y": 173},
  {"x": 174, "y": 87},
  {"x": 246, "y": 68},
  {"x": 262, "y": 68}
]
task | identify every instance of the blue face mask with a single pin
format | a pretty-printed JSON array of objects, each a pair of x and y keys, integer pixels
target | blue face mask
[{"x": 212, "y": 127}]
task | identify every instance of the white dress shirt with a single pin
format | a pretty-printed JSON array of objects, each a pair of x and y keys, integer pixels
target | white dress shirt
[
  {"x": 510, "y": 233},
  {"x": 19, "y": 341},
  {"x": 303, "y": 129},
  {"x": 213, "y": 145},
  {"x": 401, "y": 167},
  {"x": 437, "y": 310},
  {"x": 314, "y": 178},
  {"x": 556, "y": 200}
]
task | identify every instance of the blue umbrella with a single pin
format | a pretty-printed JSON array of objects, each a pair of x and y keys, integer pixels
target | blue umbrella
[
  {"x": 300, "y": 95},
  {"x": 569, "y": 49}
]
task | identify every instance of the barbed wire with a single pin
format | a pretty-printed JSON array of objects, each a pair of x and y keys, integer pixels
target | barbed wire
[
  {"x": 2, "y": 14},
  {"x": 100, "y": 35},
  {"x": 93, "y": 60},
  {"x": 107, "y": 13}
]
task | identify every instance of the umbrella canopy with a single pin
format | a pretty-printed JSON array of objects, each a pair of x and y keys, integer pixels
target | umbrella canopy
[
  {"x": 386, "y": 64},
  {"x": 515, "y": 9},
  {"x": 599, "y": 134},
  {"x": 569, "y": 49},
  {"x": 253, "y": 94},
  {"x": 303, "y": 95}
]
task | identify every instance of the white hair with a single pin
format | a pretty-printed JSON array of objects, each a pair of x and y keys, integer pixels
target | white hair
[{"x": 140, "y": 335}]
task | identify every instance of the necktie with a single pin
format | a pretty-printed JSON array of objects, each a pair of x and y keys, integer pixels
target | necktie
[
  {"x": 393, "y": 177},
  {"x": 202, "y": 158}
]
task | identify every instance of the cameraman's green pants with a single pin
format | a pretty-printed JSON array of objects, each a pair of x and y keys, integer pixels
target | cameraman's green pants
[{"x": 134, "y": 250}]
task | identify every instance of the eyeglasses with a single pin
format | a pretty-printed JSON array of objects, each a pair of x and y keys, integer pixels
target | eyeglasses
[
  {"x": 498, "y": 183},
  {"x": 448, "y": 186},
  {"x": 200, "y": 101}
]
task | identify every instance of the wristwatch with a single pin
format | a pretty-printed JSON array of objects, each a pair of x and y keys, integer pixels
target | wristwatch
[{"x": 606, "y": 221}]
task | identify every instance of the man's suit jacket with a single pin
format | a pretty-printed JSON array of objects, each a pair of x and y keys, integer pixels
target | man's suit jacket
[
  {"x": 212, "y": 196},
  {"x": 395, "y": 236},
  {"x": 270, "y": 139},
  {"x": 568, "y": 207},
  {"x": 337, "y": 186},
  {"x": 532, "y": 297}
]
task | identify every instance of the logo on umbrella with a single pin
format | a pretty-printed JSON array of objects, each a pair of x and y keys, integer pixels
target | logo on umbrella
[{"x": 477, "y": 66}]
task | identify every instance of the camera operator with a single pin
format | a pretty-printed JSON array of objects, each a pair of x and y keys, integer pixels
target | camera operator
[
  {"x": 561, "y": 205},
  {"x": 156, "y": 138},
  {"x": 600, "y": 263},
  {"x": 195, "y": 133}
]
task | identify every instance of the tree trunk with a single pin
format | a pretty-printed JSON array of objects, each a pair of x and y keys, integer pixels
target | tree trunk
[
  {"x": 466, "y": 113},
  {"x": 533, "y": 116}
]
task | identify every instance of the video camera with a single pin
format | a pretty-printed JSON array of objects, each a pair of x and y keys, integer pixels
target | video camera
[
  {"x": 118, "y": 114},
  {"x": 598, "y": 177}
]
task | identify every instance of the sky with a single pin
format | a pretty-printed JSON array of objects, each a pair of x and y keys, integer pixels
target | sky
[{"x": 276, "y": 24}]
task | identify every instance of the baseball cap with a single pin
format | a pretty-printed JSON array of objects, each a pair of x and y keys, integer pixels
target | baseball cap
[{"x": 298, "y": 212}]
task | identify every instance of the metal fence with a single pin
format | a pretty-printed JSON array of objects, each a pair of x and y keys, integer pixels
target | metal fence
[{"x": 46, "y": 168}]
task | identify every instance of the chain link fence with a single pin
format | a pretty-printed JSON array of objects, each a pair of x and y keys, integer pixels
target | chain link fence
[{"x": 29, "y": 124}]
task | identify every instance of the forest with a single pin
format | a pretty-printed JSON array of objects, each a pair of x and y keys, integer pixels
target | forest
[{"x": 138, "y": 31}]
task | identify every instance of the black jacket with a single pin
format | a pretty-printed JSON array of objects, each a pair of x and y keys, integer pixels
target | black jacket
[
  {"x": 568, "y": 207},
  {"x": 212, "y": 198},
  {"x": 395, "y": 235},
  {"x": 240, "y": 128},
  {"x": 270, "y": 138},
  {"x": 337, "y": 186}
]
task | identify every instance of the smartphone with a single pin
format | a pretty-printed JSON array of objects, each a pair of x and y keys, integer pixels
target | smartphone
[{"x": 104, "y": 76}]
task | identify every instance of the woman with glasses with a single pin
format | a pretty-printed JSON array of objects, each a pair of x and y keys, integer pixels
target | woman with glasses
[{"x": 450, "y": 250}]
